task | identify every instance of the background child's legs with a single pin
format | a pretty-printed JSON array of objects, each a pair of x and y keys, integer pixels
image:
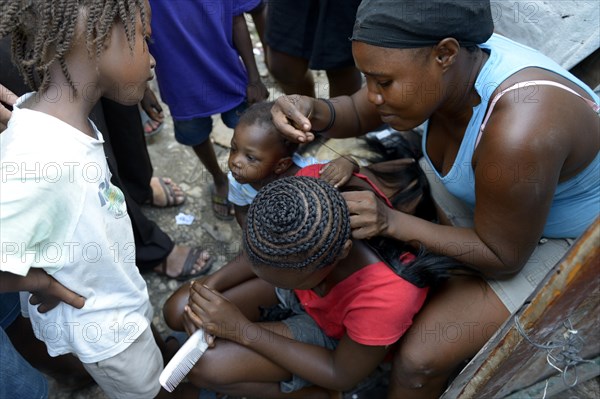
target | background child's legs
[
  {"x": 343, "y": 81},
  {"x": 196, "y": 133}
]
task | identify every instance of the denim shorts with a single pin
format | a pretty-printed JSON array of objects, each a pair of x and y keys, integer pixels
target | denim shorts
[
  {"x": 515, "y": 290},
  {"x": 196, "y": 131},
  {"x": 10, "y": 308}
]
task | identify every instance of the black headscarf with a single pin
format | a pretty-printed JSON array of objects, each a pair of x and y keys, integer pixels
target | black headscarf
[{"x": 412, "y": 24}]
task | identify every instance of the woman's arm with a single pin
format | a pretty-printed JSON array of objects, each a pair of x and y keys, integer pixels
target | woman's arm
[
  {"x": 517, "y": 167},
  {"x": 296, "y": 117},
  {"x": 339, "y": 370}
]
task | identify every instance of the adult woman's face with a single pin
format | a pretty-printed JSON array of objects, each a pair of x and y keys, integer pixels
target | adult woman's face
[{"x": 404, "y": 84}]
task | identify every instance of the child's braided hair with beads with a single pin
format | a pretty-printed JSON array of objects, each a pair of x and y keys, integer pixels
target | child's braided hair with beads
[
  {"x": 297, "y": 223},
  {"x": 43, "y": 31}
]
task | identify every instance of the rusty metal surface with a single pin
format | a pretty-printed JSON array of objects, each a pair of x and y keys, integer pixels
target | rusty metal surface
[{"x": 508, "y": 362}]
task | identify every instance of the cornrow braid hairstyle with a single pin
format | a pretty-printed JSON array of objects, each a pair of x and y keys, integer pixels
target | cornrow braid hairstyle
[
  {"x": 260, "y": 114},
  {"x": 296, "y": 223},
  {"x": 43, "y": 31}
]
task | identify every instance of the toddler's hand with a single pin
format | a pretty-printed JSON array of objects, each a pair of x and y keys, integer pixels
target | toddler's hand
[{"x": 338, "y": 171}]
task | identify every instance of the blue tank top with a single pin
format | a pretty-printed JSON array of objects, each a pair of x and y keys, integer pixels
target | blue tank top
[{"x": 576, "y": 201}]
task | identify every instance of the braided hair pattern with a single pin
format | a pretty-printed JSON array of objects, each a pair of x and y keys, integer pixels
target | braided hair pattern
[
  {"x": 43, "y": 31},
  {"x": 299, "y": 223}
]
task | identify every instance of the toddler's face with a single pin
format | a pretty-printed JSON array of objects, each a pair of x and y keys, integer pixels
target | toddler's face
[
  {"x": 124, "y": 72},
  {"x": 254, "y": 154}
]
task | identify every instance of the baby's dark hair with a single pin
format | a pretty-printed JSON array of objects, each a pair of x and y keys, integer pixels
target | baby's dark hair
[
  {"x": 43, "y": 31},
  {"x": 260, "y": 114},
  {"x": 296, "y": 223}
]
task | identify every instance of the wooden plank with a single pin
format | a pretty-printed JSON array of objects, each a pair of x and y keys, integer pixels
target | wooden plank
[{"x": 571, "y": 289}]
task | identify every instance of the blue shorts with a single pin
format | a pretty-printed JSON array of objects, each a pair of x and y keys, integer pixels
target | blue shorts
[
  {"x": 10, "y": 308},
  {"x": 196, "y": 131}
]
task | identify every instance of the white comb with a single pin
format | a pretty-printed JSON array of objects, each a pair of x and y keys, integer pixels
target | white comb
[{"x": 183, "y": 361}]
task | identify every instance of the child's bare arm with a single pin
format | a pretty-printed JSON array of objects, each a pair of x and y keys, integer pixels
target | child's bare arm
[
  {"x": 256, "y": 90},
  {"x": 47, "y": 292},
  {"x": 240, "y": 214},
  {"x": 338, "y": 370},
  {"x": 339, "y": 171}
]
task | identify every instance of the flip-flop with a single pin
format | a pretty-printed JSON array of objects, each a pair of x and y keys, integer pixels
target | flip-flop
[
  {"x": 167, "y": 189},
  {"x": 219, "y": 200},
  {"x": 188, "y": 266},
  {"x": 149, "y": 131}
]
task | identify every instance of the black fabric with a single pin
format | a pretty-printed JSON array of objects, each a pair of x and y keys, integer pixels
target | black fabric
[
  {"x": 422, "y": 23},
  {"x": 315, "y": 30}
]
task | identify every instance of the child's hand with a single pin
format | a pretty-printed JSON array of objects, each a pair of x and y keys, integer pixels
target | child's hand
[
  {"x": 215, "y": 314},
  {"x": 256, "y": 92},
  {"x": 339, "y": 171},
  {"x": 48, "y": 293}
]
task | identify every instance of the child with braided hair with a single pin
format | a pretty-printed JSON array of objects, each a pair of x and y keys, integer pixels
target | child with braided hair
[
  {"x": 260, "y": 154},
  {"x": 60, "y": 213},
  {"x": 344, "y": 307}
]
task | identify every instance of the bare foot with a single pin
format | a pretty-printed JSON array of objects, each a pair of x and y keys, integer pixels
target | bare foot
[{"x": 198, "y": 263}]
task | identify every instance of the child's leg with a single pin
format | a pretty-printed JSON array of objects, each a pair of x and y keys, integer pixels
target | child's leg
[
  {"x": 196, "y": 133},
  {"x": 291, "y": 73},
  {"x": 132, "y": 373},
  {"x": 235, "y": 370},
  {"x": 343, "y": 81}
]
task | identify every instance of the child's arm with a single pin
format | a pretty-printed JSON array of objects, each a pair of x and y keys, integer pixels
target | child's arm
[
  {"x": 338, "y": 370},
  {"x": 47, "y": 292},
  {"x": 256, "y": 90},
  {"x": 339, "y": 171},
  {"x": 240, "y": 214},
  {"x": 234, "y": 273}
]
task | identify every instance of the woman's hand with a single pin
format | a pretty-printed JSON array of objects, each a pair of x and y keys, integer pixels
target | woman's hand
[
  {"x": 214, "y": 313},
  {"x": 369, "y": 216},
  {"x": 48, "y": 292},
  {"x": 339, "y": 171},
  {"x": 291, "y": 116}
]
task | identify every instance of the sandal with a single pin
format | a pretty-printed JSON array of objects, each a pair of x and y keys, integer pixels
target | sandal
[
  {"x": 218, "y": 202},
  {"x": 150, "y": 126},
  {"x": 167, "y": 187},
  {"x": 188, "y": 266}
]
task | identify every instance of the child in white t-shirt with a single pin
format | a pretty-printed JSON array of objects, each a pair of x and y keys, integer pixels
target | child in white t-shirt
[{"x": 60, "y": 212}]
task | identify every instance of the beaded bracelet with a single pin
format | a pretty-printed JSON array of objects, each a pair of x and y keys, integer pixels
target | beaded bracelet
[{"x": 331, "y": 118}]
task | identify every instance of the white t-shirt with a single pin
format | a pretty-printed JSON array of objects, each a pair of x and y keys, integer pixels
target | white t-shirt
[
  {"x": 243, "y": 194},
  {"x": 59, "y": 212}
]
